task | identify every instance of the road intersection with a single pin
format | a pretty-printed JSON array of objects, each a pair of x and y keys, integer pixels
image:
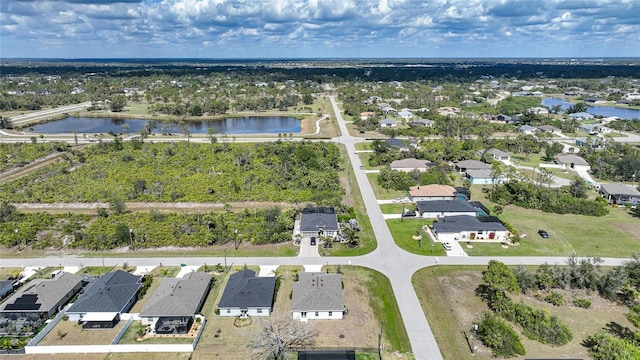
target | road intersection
[{"x": 397, "y": 264}]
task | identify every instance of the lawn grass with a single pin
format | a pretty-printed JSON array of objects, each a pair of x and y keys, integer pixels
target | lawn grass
[
  {"x": 99, "y": 270},
  {"x": 141, "y": 108},
  {"x": 532, "y": 160},
  {"x": 613, "y": 235},
  {"x": 382, "y": 193},
  {"x": 363, "y": 146},
  {"x": 403, "y": 232},
  {"x": 165, "y": 271},
  {"x": 396, "y": 208}
]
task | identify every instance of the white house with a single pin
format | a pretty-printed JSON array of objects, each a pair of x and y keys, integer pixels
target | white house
[
  {"x": 387, "y": 123},
  {"x": 317, "y": 296},
  {"x": 410, "y": 164},
  {"x": 432, "y": 192},
  {"x": 484, "y": 177},
  {"x": 527, "y": 129},
  {"x": 246, "y": 294},
  {"x": 468, "y": 228},
  {"x": 570, "y": 161}
]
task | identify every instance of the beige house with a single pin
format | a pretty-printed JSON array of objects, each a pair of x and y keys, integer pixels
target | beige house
[
  {"x": 410, "y": 164},
  {"x": 432, "y": 192}
]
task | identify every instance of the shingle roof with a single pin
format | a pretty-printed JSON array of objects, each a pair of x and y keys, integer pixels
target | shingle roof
[
  {"x": 620, "y": 189},
  {"x": 317, "y": 292},
  {"x": 445, "y": 206},
  {"x": 480, "y": 174},
  {"x": 571, "y": 159},
  {"x": 110, "y": 292},
  {"x": 527, "y": 128},
  {"x": 178, "y": 296},
  {"x": 45, "y": 293},
  {"x": 472, "y": 164},
  {"x": 435, "y": 190},
  {"x": 410, "y": 163},
  {"x": 459, "y": 223},
  {"x": 498, "y": 152},
  {"x": 312, "y": 221},
  {"x": 393, "y": 142},
  {"x": 245, "y": 290}
]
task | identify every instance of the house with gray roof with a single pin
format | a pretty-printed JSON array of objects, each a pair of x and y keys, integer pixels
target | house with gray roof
[
  {"x": 318, "y": 221},
  {"x": 527, "y": 129},
  {"x": 620, "y": 194},
  {"x": 581, "y": 116},
  {"x": 570, "y": 161},
  {"x": 317, "y": 296},
  {"x": 396, "y": 143},
  {"x": 104, "y": 299},
  {"x": 468, "y": 228},
  {"x": 246, "y": 294},
  {"x": 28, "y": 308},
  {"x": 441, "y": 208},
  {"x": 466, "y": 165},
  {"x": 387, "y": 123},
  {"x": 173, "y": 306}
]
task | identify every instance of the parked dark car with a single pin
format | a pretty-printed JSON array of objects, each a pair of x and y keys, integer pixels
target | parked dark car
[
  {"x": 544, "y": 234},
  {"x": 313, "y": 240}
]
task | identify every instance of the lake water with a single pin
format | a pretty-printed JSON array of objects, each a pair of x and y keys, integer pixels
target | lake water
[
  {"x": 236, "y": 125},
  {"x": 605, "y": 111}
]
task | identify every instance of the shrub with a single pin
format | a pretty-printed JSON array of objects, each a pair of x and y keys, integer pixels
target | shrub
[
  {"x": 605, "y": 346},
  {"x": 496, "y": 334},
  {"x": 583, "y": 303},
  {"x": 555, "y": 298},
  {"x": 634, "y": 315}
]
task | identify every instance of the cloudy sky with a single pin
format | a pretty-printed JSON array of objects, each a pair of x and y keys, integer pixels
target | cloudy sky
[{"x": 319, "y": 28}]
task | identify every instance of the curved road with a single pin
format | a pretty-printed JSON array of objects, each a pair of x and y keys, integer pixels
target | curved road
[{"x": 397, "y": 264}]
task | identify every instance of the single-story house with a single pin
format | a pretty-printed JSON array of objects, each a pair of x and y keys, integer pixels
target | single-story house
[
  {"x": 549, "y": 129},
  {"x": 466, "y": 165},
  {"x": 104, "y": 299},
  {"x": 246, "y": 294},
  {"x": 405, "y": 114},
  {"x": 29, "y": 307},
  {"x": 317, "y": 296},
  {"x": 387, "y": 123},
  {"x": 538, "y": 110},
  {"x": 421, "y": 123},
  {"x": 319, "y": 221},
  {"x": 572, "y": 162},
  {"x": 468, "y": 228},
  {"x": 448, "y": 111},
  {"x": 397, "y": 143},
  {"x": 410, "y": 164},
  {"x": 496, "y": 154},
  {"x": 527, "y": 129},
  {"x": 366, "y": 115},
  {"x": 620, "y": 194},
  {"x": 6, "y": 287},
  {"x": 440, "y": 208},
  {"x": 594, "y": 129},
  {"x": 432, "y": 192},
  {"x": 483, "y": 177},
  {"x": 581, "y": 116},
  {"x": 173, "y": 306}
]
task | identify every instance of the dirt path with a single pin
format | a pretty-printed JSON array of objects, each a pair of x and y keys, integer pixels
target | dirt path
[{"x": 91, "y": 208}]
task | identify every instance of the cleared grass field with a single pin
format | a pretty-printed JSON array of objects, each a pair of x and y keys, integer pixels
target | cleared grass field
[{"x": 382, "y": 193}]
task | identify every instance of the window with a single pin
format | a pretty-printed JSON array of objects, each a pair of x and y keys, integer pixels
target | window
[
  {"x": 150, "y": 319},
  {"x": 317, "y": 314},
  {"x": 479, "y": 232},
  {"x": 228, "y": 311},
  {"x": 259, "y": 311},
  {"x": 303, "y": 314},
  {"x": 330, "y": 313}
]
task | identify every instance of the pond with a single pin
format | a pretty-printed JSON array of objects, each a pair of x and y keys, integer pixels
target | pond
[
  {"x": 231, "y": 125},
  {"x": 605, "y": 111}
]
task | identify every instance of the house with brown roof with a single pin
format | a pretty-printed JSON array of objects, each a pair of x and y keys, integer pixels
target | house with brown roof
[
  {"x": 366, "y": 115},
  {"x": 432, "y": 192}
]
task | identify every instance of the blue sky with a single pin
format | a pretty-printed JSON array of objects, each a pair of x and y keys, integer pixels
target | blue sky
[{"x": 319, "y": 28}]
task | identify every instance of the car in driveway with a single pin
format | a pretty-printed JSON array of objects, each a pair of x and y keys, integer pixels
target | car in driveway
[
  {"x": 543, "y": 233},
  {"x": 313, "y": 240},
  {"x": 409, "y": 214},
  {"x": 446, "y": 246}
]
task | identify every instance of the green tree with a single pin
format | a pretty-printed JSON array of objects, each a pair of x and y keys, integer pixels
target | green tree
[
  {"x": 578, "y": 188},
  {"x": 118, "y": 103},
  {"x": 500, "y": 277}
]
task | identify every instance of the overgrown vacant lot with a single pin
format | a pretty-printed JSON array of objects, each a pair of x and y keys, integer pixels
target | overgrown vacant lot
[
  {"x": 17, "y": 155},
  {"x": 447, "y": 295},
  {"x": 167, "y": 172}
]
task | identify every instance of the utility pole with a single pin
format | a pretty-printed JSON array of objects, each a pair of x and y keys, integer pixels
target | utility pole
[
  {"x": 475, "y": 331},
  {"x": 380, "y": 341}
]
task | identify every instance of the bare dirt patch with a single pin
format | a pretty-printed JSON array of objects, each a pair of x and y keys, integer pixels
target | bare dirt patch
[{"x": 448, "y": 298}]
